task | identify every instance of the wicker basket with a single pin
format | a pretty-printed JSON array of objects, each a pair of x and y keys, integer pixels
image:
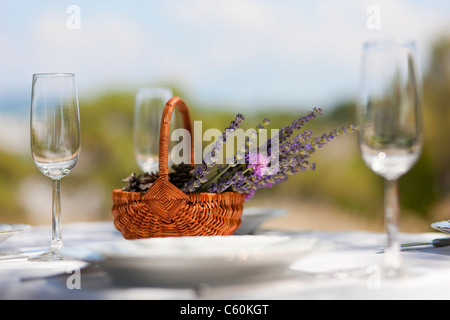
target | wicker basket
[{"x": 164, "y": 210}]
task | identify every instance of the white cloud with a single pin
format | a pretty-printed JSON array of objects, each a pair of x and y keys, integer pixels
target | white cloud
[
  {"x": 242, "y": 15},
  {"x": 242, "y": 51},
  {"x": 300, "y": 50},
  {"x": 105, "y": 49}
]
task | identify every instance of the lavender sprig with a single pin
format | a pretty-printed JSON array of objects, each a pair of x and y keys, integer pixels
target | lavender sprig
[
  {"x": 295, "y": 160},
  {"x": 224, "y": 172},
  {"x": 200, "y": 174},
  {"x": 256, "y": 172},
  {"x": 286, "y": 132},
  {"x": 294, "y": 156}
]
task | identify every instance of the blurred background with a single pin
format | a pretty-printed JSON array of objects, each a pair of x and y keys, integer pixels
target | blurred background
[{"x": 275, "y": 59}]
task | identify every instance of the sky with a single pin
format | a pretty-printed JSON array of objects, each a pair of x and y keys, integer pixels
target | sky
[{"x": 243, "y": 54}]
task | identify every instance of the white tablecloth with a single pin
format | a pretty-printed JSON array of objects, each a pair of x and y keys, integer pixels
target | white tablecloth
[{"x": 349, "y": 271}]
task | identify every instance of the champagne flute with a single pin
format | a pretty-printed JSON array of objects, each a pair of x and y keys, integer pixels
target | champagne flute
[
  {"x": 55, "y": 140},
  {"x": 390, "y": 121},
  {"x": 148, "y": 110}
]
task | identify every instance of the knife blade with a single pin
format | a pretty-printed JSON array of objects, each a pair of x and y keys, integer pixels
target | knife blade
[{"x": 435, "y": 243}]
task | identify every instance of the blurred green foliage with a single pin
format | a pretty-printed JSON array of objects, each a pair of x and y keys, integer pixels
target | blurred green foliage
[
  {"x": 12, "y": 170},
  {"x": 341, "y": 177}
]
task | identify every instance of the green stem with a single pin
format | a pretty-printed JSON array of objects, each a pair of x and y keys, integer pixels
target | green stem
[{"x": 205, "y": 186}]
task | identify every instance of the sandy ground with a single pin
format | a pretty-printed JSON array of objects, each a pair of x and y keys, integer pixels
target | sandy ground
[{"x": 310, "y": 215}]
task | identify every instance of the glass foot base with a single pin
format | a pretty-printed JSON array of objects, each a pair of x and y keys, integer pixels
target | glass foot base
[
  {"x": 394, "y": 273},
  {"x": 48, "y": 256}
]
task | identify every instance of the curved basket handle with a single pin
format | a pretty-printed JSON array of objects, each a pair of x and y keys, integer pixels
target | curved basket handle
[{"x": 164, "y": 133}]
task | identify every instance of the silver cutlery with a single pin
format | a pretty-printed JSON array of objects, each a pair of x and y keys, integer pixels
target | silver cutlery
[
  {"x": 18, "y": 254},
  {"x": 437, "y": 243}
]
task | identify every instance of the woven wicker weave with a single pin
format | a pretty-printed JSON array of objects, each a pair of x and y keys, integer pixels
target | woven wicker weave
[{"x": 164, "y": 210}]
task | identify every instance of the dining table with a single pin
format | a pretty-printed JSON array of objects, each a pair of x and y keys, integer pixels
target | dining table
[{"x": 350, "y": 268}]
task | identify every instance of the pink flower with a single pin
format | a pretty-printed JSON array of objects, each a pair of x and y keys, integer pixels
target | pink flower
[{"x": 258, "y": 163}]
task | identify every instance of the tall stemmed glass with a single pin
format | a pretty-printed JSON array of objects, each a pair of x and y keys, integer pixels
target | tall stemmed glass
[
  {"x": 390, "y": 121},
  {"x": 55, "y": 140},
  {"x": 148, "y": 110}
]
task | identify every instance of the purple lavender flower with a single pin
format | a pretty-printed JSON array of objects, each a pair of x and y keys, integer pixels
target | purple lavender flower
[
  {"x": 286, "y": 132},
  {"x": 250, "y": 194},
  {"x": 258, "y": 163},
  {"x": 200, "y": 174},
  {"x": 255, "y": 170}
]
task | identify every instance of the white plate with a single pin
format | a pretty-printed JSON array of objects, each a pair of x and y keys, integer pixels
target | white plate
[
  {"x": 443, "y": 226},
  {"x": 253, "y": 217},
  {"x": 8, "y": 230},
  {"x": 192, "y": 261}
]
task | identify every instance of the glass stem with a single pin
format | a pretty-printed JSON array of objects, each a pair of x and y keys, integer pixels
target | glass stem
[
  {"x": 392, "y": 261},
  {"x": 56, "y": 244}
]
